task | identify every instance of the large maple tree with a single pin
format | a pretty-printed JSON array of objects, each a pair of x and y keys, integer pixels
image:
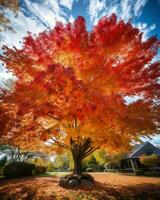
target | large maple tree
[{"x": 72, "y": 86}]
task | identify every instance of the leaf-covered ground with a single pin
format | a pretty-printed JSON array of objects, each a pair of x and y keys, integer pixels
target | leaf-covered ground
[{"x": 109, "y": 186}]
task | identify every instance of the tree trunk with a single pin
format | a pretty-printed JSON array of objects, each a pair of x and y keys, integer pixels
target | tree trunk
[
  {"x": 80, "y": 148},
  {"x": 77, "y": 164}
]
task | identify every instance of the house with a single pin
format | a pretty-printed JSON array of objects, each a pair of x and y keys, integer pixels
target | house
[{"x": 131, "y": 161}]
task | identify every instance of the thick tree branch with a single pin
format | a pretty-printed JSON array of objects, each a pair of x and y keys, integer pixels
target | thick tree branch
[
  {"x": 54, "y": 140},
  {"x": 40, "y": 125},
  {"x": 60, "y": 144},
  {"x": 58, "y": 119},
  {"x": 91, "y": 151},
  {"x": 75, "y": 123}
]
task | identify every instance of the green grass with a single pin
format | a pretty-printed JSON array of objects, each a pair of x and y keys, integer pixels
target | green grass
[{"x": 57, "y": 173}]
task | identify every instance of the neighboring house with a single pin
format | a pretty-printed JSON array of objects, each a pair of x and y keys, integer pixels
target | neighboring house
[{"x": 131, "y": 161}]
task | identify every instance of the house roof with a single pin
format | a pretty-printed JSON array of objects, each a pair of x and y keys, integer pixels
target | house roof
[{"x": 146, "y": 148}]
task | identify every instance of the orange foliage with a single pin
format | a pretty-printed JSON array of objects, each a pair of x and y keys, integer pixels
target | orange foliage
[
  {"x": 107, "y": 186},
  {"x": 72, "y": 82}
]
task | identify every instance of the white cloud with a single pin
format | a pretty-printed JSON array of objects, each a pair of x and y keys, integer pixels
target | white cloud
[
  {"x": 67, "y": 3},
  {"x": 40, "y": 15},
  {"x": 139, "y": 5},
  {"x": 21, "y": 25},
  {"x": 95, "y": 8},
  {"x": 47, "y": 12},
  {"x": 71, "y": 19},
  {"x": 6, "y": 80},
  {"x": 154, "y": 139},
  {"x": 126, "y": 9},
  {"x": 113, "y": 9},
  {"x": 132, "y": 99},
  {"x": 143, "y": 27}
]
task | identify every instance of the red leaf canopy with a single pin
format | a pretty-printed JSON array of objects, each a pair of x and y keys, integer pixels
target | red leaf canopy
[{"x": 69, "y": 74}]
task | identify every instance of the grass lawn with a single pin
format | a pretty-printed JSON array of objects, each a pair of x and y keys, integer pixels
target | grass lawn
[{"x": 108, "y": 186}]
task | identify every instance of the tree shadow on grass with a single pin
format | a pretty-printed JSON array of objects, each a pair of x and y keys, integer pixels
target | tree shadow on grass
[
  {"x": 28, "y": 188},
  {"x": 46, "y": 188},
  {"x": 134, "y": 192}
]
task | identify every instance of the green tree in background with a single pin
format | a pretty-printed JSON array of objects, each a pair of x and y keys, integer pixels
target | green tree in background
[{"x": 150, "y": 161}]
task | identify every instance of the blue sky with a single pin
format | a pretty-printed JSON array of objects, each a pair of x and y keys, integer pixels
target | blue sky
[{"x": 38, "y": 15}]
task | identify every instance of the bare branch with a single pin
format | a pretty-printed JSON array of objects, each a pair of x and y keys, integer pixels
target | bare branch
[
  {"x": 58, "y": 119},
  {"x": 53, "y": 139},
  {"x": 75, "y": 123},
  {"x": 40, "y": 125},
  {"x": 61, "y": 144}
]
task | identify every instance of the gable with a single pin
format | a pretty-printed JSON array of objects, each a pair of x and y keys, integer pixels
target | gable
[{"x": 144, "y": 149}]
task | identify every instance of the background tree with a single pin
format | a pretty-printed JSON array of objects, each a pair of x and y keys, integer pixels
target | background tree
[
  {"x": 113, "y": 161},
  {"x": 63, "y": 162},
  {"x": 72, "y": 85},
  {"x": 96, "y": 161},
  {"x": 150, "y": 161},
  {"x": 4, "y": 20}
]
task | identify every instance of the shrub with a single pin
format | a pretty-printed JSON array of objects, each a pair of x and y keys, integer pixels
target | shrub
[
  {"x": 40, "y": 169},
  {"x": 91, "y": 162},
  {"x": 50, "y": 166},
  {"x": 139, "y": 172},
  {"x": 150, "y": 161},
  {"x": 38, "y": 161},
  {"x": 18, "y": 169},
  {"x": 90, "y": 170}
]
